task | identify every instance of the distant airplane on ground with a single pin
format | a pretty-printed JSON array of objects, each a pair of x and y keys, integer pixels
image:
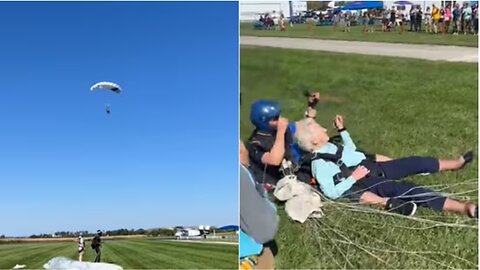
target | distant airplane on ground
[{"x": 189, "y": 233}]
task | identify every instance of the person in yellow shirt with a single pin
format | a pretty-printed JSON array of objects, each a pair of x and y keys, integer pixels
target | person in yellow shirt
[{"x": 435, "y": 17}]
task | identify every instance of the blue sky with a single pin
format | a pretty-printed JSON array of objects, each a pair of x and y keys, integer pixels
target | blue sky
[{"x": 167, "y": 154}]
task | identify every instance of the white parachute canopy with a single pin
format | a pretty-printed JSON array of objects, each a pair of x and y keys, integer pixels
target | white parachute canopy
[
  {"x": 107, "y": 86},
  {"x": 66, "y": 263}
]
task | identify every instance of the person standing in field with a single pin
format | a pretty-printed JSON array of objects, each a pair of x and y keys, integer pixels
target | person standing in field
[
  {"x": 448, "y": 17},
  {"x": 475, "y": 20},
  {"x": 348, "y": 18},
  {"x": 371, "y": 22},
  {"x": 428, "y": 20},
  {"x": 335, "y": 20},
  {"x": 281, "y": 22},
  {"x": 467, "y": 19},
  {"x": 457, "y": 19},
  {"x": 436, "y": 18},
  {"x": 418, "y": 23},
  {"x": 96, "y": 245},
  {"x": 81, "y": 247},
  {"x": 413, "y": 18}
]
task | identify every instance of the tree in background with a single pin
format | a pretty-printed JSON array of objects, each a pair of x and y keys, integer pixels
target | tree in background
[
  {"x": 322, "y": 5},
  {"x": 316, "y": 5}
]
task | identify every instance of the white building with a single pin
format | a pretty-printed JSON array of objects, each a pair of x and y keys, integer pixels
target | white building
[{"x": 249, "y": 10}]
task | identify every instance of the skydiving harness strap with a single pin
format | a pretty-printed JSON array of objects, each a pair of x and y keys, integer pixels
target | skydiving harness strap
[
  {"x": 288, "y": 168},
  {"x": 346, "y": 171},
  {"x": 337, "y": 159}
]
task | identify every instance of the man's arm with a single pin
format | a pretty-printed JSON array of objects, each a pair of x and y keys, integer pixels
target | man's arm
[{"x": 276, "y": 154}]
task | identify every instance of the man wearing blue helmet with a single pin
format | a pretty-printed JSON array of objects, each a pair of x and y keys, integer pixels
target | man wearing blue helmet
[{"x": 268, "y": 144}]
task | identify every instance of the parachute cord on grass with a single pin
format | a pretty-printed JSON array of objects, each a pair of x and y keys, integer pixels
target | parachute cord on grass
[
  {"x": 352, "y": 206},
  {"x": 400, "y": 249},
  {"x": 449, "y": 195},
  {"x": 421, "y": 187},
  {"x": 473, "y": 181},
  {"x": 310, "y": 251},
  {"x": 456, "y": 224},
  {"x": 336, "y": 247},
  {"x": 325, "y": 199},
  {"x": 389, "y": 180},
  {"x": 329, "y": 253},
  {"x": 430, "y": 194},
  {"x": 323, "y": 231},
  {"x": 360, "y": 191},
  {"x": 385, "y": 224},
  {"x": 414, "y": 252},
  {"x": 375, "y": 240},
  {"x": 339, "y": 233},
  {"x": 366, "y": 209}
]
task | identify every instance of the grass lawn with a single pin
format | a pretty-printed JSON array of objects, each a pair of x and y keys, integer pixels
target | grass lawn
[
  {"x": 138, "y": 254},
  {"x": 326, "y": 32},
  {"x": 393, "y": 106}
]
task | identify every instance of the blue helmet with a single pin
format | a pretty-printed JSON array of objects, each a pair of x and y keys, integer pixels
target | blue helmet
[{"x": 262, "y": 112}]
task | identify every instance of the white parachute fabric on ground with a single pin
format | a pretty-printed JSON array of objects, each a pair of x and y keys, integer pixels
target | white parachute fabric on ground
[
  {"x": 302, "y": 201},
  {"x": 66, "y": 263},
  {"x": 108, "y": 86}
]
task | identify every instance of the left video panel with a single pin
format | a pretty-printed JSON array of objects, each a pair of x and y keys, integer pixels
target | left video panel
[{"x": 119, "y": 138}]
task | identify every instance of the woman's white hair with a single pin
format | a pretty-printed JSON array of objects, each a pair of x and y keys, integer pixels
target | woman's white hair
[{"x": 304, "y": 136}]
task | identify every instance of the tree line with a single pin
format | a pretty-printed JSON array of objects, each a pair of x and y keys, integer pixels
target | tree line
[{"x": 118, "y": 232}]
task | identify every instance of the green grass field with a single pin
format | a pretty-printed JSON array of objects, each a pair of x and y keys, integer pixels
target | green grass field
[
  {"x": 137, "y": 254},
  {"x": 393, "y": 106},
  {"x": 326, "y": 32}
]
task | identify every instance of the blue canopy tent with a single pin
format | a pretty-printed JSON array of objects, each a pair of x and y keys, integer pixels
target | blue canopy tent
[
  {"x": 356, "y": 5},
  {"x": 403, "y": 3},
  {"x": 228, "y": 228}
]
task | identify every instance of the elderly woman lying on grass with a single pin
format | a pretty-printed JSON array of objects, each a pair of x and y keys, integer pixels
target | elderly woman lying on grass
[{"x": 343, "y": 172}]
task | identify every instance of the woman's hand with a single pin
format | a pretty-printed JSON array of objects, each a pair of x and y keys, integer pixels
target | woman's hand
[
  {"x": 360, "y": 172},
  {"x": 338, "y": 122}
]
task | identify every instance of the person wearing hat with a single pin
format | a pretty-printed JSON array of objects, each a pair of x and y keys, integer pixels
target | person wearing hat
[{"x": 271, "y": 142}]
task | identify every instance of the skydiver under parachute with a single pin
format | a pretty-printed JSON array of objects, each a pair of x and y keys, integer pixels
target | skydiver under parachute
[{"x": 107, "y": 86}]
